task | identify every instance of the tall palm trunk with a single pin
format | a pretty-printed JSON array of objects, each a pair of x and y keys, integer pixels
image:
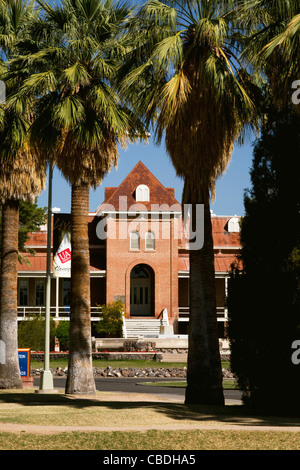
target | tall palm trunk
[
  {"x": 204, "y": 372},
  {"x": 9, "y": 370},
  {"x": 80, "y": 379}
]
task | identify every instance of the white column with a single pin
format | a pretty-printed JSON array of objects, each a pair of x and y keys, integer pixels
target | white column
[
  {"x": 56, "y": 297},
  {"x": 226, "y": 293}
]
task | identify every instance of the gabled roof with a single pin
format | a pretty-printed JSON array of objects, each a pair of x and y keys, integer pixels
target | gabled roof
[{"x": 159, "y": 195}]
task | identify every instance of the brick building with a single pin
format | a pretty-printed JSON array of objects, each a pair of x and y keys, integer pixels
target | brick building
[{"x": 137, "y": 254}]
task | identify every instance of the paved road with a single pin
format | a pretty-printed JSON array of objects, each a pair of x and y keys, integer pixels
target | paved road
[{"x": 133, "y": 385}]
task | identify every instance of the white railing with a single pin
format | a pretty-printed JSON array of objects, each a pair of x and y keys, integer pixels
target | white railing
[
  {"x": 184, "y": 313},
  {"x": 55, "y": 312}
]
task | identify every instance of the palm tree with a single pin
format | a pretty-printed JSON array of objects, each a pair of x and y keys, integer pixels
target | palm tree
[
  {"x": 80, "y": 121},
  {"x": 193, "y": 92},
  {"x": 21, "y": 178},
  {"x": 272, "y": 42}
]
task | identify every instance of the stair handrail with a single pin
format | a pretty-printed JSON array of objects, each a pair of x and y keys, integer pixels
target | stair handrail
[
  {"x": 164, "y": 317},
  {"x": 124, "y": 330}
]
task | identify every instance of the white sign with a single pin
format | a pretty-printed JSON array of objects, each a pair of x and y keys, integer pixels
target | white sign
[{"x": 62, "y": 259}]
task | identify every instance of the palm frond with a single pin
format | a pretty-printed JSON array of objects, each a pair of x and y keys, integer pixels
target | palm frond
[
  {"x": 200, "y": 104},
  {"x": 76, "y": 75},
  {"x": 285, "y": 38},
  {"x": 169, "y": 51},
  {"x": 174, "y": 96},
  {"x": 69, "y": 111},
  {"x": 79, "y": 119},
  {"x": 39, "y": 82}
]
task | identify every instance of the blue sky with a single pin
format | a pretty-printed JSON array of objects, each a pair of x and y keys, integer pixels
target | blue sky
[{"x": 229, "y": 190}]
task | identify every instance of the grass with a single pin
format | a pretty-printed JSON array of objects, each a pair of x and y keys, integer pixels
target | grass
[
  {"x": 107, "y": 410},
  {"x": 154, "y": 440},
  {"x": 103, "y": 363}
]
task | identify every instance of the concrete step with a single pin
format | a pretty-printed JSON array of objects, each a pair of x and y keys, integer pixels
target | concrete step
[{"x": 142, "y": 327}]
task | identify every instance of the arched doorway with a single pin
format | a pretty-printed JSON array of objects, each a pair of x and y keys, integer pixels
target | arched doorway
[{"x": 142, "y": 291}]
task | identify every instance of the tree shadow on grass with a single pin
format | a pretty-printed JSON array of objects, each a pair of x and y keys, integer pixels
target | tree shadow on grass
[{"x": 178, "y": 412}]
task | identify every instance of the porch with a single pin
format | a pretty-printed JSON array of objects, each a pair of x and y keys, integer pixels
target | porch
[
  {"x": 59, "y": 313},
  {"x": 32, "y": 296},
  {"x": 183, "y": 303},
  {"x": 184, "y": 312}
]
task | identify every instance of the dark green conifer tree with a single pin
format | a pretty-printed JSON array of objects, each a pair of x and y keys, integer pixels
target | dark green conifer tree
[{"x": 264, "y": 290}]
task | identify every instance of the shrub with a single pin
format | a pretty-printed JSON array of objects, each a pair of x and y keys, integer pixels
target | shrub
[
  {"x": 111, "y": 322},
  {"x": 31, "y": 333},
  {"x": 62, "y": 334}
]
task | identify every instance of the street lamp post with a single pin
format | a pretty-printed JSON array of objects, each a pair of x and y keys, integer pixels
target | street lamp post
[{"x": 46, "y": 380}]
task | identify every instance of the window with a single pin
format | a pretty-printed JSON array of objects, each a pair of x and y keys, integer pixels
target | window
[
  {"x": 39, "y": 292},
  {"x": 139, "y": 272},
  {"x": 66, "y": 294},
  {"x": 134, "y": 240},
  {"x": 150, "y": 241},
  {"x": 23, "y": 292},
  {"x": 142, "y": 193}
]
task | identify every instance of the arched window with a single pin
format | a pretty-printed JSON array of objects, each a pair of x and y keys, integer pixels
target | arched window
[
  {"x": 150, "y": 241},
  {"x": 142, "y": 193},
  {"x": 135, "y": 240},
  {"x": 139, "y": 272}
]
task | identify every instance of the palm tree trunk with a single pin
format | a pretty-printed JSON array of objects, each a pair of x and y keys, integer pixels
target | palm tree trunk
[
  {"x": 9, "y": 364},
  {"x": 204, "y": 372},
  {"x": 80, "y": 379}
]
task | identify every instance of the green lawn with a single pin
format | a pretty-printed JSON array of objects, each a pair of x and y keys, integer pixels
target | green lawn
[
  {"x": 116, "y": 364},
  {"x": 154, "y": 440},
  {"x": 207, "y": 428}
]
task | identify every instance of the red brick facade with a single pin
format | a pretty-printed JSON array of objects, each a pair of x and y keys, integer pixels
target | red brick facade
[
  {"x": 160, "y": 259},
  {"x": 137, "y": 254}
]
